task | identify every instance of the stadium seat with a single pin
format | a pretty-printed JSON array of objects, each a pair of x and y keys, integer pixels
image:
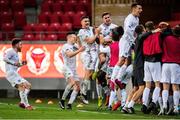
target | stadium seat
[
  {"x": 6, "y": 17},
  {"x": 60, "y": 1},
  {"x": 46, "y": 6},
  {"x": 28, "y": 37},
  {"x": 8, "y": 31},
  {"x": 17, "y": 5},
  {"x": 80, "y": 7},
  {"x": 63, "y": 30},
  {"x": 51, "y": 37},
  {"x": 65, "y": 19},
  {"x": 39, "y": 36},
  {"x": 57, "y": 7},
  {"x": 41, "y": 27},
  {"x": 19, "y": 20},
  {"x": 4, "y": 5},
  {"x": 29, "y": 28},
  {"x": 67, "y": 26},
  {"x": 69, "y": 7},
  {"x": 76, "y": 19},
  {"x": 56, "y": 17},
  {"x": 44, "y": 17}
]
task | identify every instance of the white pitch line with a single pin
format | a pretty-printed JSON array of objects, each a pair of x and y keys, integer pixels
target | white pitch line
[{"x": 92, "y": 112}]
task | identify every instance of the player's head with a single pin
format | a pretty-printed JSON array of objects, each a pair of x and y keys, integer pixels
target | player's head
[
  {"x": 117, "y": 33},
  {"x": 149, "y": 25},
  {"x": 17, "y": 44},
  {"x": 71, "y": 37},
  {"x": 85, "y": 22},
  {"x": 139, "y": 29},
  {"x": 106, "y": 18},
  {"x": 176, "y": 30},
  {"x": 136, "y": 9},
  {"x": 163, "y": 25}
]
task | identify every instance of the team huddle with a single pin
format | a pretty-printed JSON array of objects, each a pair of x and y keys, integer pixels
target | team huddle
[{"x": 106, "y": 54}]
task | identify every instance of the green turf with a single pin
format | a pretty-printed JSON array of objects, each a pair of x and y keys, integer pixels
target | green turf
[{"x": 10, "y": 110}]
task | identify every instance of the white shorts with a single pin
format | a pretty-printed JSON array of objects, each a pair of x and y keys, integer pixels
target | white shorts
[
  {"x": 125, "y": 48},
  {"x": 89, "y": 60},
  {"x": 70, "y": 73},
  {"x": 152, "y": 71},
  {"x": 171, "y": 73},
  {"x": 14, "y": 78}
]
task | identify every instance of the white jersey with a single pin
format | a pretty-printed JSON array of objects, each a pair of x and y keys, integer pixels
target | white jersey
[
  {"x": 69, "y": 62},
  {"x": 85, "y": 33},
  {"x": 106, "y": 29},
  {"x": 130, "y": 24},
  {"x": 10, "y": 58}
]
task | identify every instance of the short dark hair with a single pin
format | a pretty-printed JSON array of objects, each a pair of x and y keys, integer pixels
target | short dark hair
[
  {"x": 149, "y": 25},
  {"x": 105, "y": 13},
  {"x": 176, "y": 30},
  {"x": 16, "y": 41},
  {"x": 139, "y": 29},
  {"x": 117, "y": 33},
  {"x": 134, "y": 5},
  {"x": 70, "y": 33},
  {"x": 84, "y": 17}
]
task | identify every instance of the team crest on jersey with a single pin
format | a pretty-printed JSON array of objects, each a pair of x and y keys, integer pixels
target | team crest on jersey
[
  {"x": 58, "y": 60},
  {"x": 38, "y": 60}
]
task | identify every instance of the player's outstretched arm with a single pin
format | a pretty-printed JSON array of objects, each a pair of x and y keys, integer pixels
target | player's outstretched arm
[{"x": 73, "y": 53}]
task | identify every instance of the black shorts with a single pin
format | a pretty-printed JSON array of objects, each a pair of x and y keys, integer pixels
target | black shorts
[{"x": 138, "y": 77}]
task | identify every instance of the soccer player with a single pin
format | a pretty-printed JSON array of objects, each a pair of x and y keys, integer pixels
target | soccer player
[
  {"x": 87, "y": 37},
  {"x": 138, "y": 72},
  {"x": 69, "y": 52},
  {"x": 152, "y": 68},
  {"x": 106, "y": 27},
  {"x": 104, "y": 54},
  {"x": 12, "y": 63},
  {"x": 171, "y": 68},
  {"x": 114, "y": 52},
  {"x": 126, "y": 42}
]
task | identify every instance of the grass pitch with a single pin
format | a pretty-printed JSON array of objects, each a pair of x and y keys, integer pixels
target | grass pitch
[{"x": 10, "y": 110}]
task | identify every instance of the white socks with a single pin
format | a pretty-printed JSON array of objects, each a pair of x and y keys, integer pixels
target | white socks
[
  {"x": 131, "y": 104},
  {"x": 160, "y": 101},
  {"x": 112, "y": 98},
  {"x": 165, "y": 94},
  {"x": 176, "y": 96},
  {"x": 85, "y": 87},
  {"x": 156, "y": 93},
  {"x": 123, "y": 97},
  {"x": 24, "y": 98},
  {"x": 146, "y": 96},
  {"x": 66, "y": 92},
  {"x": 73, "y": 97}
]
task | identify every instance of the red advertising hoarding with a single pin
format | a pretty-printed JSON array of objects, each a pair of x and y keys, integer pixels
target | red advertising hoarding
[{"x": 43, "y": 61}]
